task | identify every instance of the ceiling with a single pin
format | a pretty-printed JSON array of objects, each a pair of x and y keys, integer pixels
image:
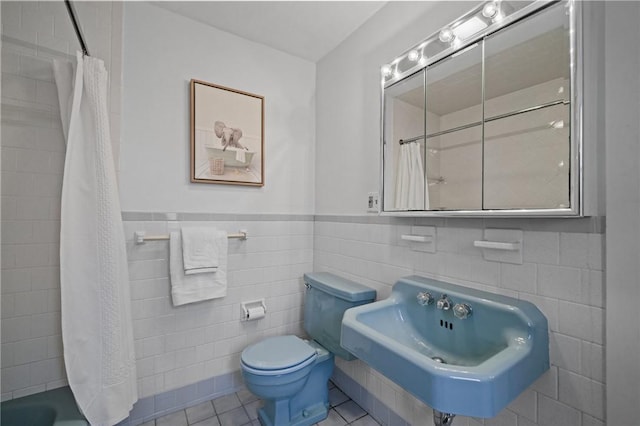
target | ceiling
[{"x": 307, "y": 29}]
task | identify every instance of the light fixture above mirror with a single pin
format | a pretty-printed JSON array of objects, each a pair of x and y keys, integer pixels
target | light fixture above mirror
[{"x": 484, "y": 19}]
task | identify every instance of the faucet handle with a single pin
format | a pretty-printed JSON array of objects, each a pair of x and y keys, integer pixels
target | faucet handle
[
  {"x": 424, "y": 298},
  {"x": 444, "y": 303},
  {"x": 462, "y": 310}
]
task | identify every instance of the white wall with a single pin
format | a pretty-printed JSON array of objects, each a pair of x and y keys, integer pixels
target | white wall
[
  {"x": 179, "y": 346},
  {"x": 562, "y": 269},
  {"x": 163, "y": 52},
  {"x": 623, "y": 211},
  {"x": 35, "y": 33},
  {"x": 348, "y": 100}
]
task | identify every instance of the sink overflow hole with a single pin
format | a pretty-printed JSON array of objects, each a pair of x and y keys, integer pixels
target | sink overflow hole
[{"x": 446, "y": 324}]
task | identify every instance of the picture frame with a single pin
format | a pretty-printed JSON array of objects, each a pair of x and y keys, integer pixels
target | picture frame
[{"x": 227, "y": 135}]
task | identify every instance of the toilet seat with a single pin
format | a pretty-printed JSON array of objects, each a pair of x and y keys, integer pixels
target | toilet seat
[{"x": 277, "y": 355}]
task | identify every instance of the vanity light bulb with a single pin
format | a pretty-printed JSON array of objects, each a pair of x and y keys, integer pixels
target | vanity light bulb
[
  {"x": 386, "y": 70},
  {"x": 446, "y": 35},
  {"x": 490, "y": 10},
  {"x": 414, "y": 55}
]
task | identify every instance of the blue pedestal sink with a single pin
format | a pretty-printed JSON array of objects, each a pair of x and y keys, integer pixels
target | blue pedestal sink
[{"x": 473, "y": 366}]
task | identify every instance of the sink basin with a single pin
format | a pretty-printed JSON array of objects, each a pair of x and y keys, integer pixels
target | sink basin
[{"x": 473, "y": 367}]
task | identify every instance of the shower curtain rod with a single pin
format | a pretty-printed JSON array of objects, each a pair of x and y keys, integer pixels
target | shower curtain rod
[
  {"x": 76, "y": 27},
  {"x": 486, "y": 120}
]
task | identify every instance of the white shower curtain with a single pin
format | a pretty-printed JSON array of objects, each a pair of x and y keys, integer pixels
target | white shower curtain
[
  {"x": 411, "y": 191},
  {"x": 96, "y": 309}
]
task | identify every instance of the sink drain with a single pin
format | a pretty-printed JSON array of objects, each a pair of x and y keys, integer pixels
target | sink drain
[{"x": 438, "y": 359}]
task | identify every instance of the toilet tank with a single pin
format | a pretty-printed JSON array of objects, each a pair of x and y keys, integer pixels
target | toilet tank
[{"x": 326, "y": 298}]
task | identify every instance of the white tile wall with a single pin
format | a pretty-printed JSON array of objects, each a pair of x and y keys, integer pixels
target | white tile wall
[
  {"x": 561, "y": 274},
  {"x": 32, "y": 150},
  {"x": 178, "y": 346}
]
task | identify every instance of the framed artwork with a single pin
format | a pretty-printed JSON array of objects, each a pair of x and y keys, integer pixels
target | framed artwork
[{"x": 227, "y": 135}]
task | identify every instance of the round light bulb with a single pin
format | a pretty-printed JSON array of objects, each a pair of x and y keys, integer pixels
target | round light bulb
[
  {"x": 414, "y": 55},
  {"x": 490, "y": 10},
  {"x": 386, "y": 70},
  {"x": 446, "y": 35}
]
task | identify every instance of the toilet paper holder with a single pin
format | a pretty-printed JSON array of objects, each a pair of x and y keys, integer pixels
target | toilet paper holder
[{"x": 253, "y": 309}]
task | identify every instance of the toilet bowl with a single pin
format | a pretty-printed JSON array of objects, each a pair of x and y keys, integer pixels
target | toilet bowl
[{"x": 290, "y": 374}]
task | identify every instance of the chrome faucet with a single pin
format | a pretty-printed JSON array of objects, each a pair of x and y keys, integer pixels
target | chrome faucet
[
  {"x": 462, "y": 310},
  {"x": 444, "y": 303},
  {"x": 424, "y": 298}
]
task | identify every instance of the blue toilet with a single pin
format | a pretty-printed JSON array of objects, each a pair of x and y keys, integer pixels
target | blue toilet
[{"x": 291, "y": 374}]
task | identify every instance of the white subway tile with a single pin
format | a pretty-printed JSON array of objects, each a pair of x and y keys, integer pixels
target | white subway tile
[
  {"x": 526, "y": 405},
  {"x": 518, "y": 277},
  {"x": 7, "y": 353},
  {"x": 46, "y": 370},
  {"x": 560, "y": 282},
  {"x": 152, "y": 346},
  {"x": 31, "y": 350},
  {"x": 8, "y": 305},
  {"x": 552, "y": 412},
  {"x": 593, "y": 288},
  {"x": 32, "y": 208},
  {"x": 14, "y": 378},
  {"x": 18, "y": 184},
  {"x": 593, "y": 361},
  {"x": 547, "y": 384},
  {"x": 504, "y": 418},
  {"x": 18, "y": 88},
  {"x": 582, "y": 393},
  {"x": 47, "y": 277},
  {"x": 15, "y": 280},
  {"x": 145, "y": 367},
  {"x": 30, "y": 160},
  {"x": 17, "y": 232},
  {"x": 8, "y": 207},
  {"x": 50, "y": 139},
  {"x": 11, "y": 17},
  {"x": 595, "y": 251},
  {"x": 165, "y": 362},
  {"x": 565, "y": 352},
  {"x": 581, "y": 321},
  {"x": 587, "y": 420},
  {"x": 45, "y": 324},
  {"x": 574, "y": 249},
  {"x": 541, "y": 247},
  {"x": 10, "y": 160},
  {"x": 33, "y": 20},
  {"x": 32, "y": 302},
  {"x": 54, "y": 346},
  {"x": 16, "y": 328},
  {"x": 29, "y": 391}
]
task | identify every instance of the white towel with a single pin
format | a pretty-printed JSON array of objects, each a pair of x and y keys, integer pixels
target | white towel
[
  {"x": 200, "y": 249},
  {"x": 240, "y": 157},
  {"x": 194, "y": 288}
]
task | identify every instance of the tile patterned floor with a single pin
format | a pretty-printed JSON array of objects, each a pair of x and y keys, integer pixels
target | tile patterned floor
[{"x": 241, "y": 409}]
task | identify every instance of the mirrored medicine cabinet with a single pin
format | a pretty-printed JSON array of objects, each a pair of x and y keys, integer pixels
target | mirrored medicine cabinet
[{"x": 483, "y": 117}]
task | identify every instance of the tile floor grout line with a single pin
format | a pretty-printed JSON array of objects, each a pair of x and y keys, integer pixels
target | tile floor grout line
[{"x": 253, "y": 422}]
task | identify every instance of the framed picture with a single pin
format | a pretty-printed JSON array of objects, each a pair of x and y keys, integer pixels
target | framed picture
[{"x": 227, "y": 135}]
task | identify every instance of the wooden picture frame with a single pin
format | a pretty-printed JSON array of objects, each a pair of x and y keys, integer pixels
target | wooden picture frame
[{"x": 227, "y": 135}]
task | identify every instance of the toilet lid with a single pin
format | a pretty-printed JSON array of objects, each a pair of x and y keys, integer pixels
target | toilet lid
[{"x": 277, "y": 353}]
